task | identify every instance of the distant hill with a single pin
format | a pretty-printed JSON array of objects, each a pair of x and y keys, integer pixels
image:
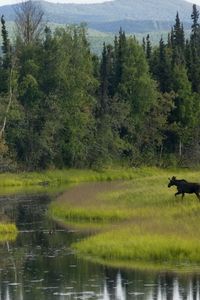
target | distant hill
[
  {"x": 138, "y": 26},
  {"x": 134, "y": 16}
]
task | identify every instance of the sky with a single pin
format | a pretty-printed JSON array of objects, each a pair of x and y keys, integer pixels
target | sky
[
  {"x": 193, "y": 1},
  {"x": 5, "y": 2}
]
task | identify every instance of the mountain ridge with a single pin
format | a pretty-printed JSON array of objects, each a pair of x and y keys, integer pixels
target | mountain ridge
[{"x": 136, "y": 15}]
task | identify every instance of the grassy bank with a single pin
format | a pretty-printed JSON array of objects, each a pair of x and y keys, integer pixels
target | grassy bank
[
  {"x": 56, "y": 177},
  {"x": 138, "y": 221},
  {"x": 39, "y": 181}
]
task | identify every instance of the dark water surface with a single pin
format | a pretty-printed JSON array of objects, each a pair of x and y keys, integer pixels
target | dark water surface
[{"x": 40, "y": 264}]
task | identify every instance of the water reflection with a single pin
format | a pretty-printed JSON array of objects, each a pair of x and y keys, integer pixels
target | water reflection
[
  {"x": 162, "y": 287},
  {"x": 42, "y": 266},
  {"x": 121, "y": 291}
]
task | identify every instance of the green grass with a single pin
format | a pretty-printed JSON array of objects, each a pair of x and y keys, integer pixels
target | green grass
[
  {"x": 61, "y": 176},
  {"x": 59, "y": 180},
  {"x": 132, "y": 245},
  {"x": 138, "y": 221}
]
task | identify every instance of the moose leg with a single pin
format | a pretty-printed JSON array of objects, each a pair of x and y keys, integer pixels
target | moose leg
[
  {"x": 178, "y": 193},
  {"x": 183, "y": 195}
]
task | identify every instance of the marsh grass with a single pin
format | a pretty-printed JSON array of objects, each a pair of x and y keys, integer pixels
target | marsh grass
[
  {"x": 55, "y": 177},
  {"x": 8, "y": 232},
  {"x": 32, "y": 182},
  {"x": 128, "y": 244},
  {"x": 145, "y": 223}
]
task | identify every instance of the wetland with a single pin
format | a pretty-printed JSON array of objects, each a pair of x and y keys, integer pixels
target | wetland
[{"x": 58, "y": 256}]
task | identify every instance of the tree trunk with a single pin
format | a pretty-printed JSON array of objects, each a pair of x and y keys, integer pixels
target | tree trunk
[{"x": 180, "y": 147}]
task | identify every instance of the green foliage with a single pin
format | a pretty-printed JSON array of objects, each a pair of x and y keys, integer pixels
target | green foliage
[
  {"x": 62, "y": 106},
  {"x": 8, "y": 232},
  {"x": 137, "y": 87}
]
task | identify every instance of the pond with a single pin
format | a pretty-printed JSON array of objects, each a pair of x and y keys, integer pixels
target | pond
[{"x": 40, "y": 264}]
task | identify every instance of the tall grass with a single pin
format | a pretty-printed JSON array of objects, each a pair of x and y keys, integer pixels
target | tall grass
[
  {"x": 8, "y": 232},
  {"x": 50, "y": 180},
  {"x": 130, "y": 244},
  {"x": 56, "y": 177}
]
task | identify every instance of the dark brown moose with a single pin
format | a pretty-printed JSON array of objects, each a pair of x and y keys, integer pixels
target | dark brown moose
[{"x": 185, "y": 187}]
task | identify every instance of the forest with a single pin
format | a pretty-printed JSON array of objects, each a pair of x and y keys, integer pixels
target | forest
[{"x": 63, "y": 106}]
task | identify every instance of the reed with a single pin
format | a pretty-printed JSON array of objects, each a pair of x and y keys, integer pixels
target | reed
[{"x": 8, "y": 232}]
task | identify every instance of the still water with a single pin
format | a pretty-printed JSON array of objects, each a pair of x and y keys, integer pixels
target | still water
[{"x": 40, "y": 265}]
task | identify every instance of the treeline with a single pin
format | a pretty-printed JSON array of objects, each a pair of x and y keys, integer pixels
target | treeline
[{"x": 61, "y": 105}]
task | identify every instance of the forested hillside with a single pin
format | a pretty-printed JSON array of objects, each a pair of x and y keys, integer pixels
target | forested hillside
[{"x": 63, "y": 106}]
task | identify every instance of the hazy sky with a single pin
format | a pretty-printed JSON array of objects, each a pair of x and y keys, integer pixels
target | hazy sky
[
  {"x": 4, "y": 2},
  {"x": 193, "y": 1}
]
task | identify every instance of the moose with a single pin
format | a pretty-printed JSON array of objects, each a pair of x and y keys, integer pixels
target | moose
[{"x": 184, "y": 186}]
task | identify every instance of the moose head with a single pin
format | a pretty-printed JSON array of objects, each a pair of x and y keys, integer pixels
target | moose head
[{"x": 172, "y": 181}]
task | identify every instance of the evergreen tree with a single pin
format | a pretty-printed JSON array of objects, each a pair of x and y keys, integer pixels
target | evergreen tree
[
  {"x": 194, "y": 63},
  {"x": 6, "y": 48},
  {"x": 178, "y": 37},
  {"x": 162, "y": 70},
  {"x": 120, "y": 53},
  {"x": 178, "y": 42},
  {"x": 144, "y": 44},
  {"x": 148, "y": 47},
  {"x": 195, "y": 35},
  {"x": 106, "y": 75},
  {"x": 6, "y": 59}
]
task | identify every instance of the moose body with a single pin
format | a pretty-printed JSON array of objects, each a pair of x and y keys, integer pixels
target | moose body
[{"x": 185, "y": 187}]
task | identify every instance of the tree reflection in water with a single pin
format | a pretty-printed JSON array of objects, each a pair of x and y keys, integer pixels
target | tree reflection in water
[
  {"x": 41, "y": 266},
  {"x": 166, "y": 287}
]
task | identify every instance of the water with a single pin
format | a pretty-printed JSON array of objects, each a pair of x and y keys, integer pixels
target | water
[{"x": 40, "y": 265}]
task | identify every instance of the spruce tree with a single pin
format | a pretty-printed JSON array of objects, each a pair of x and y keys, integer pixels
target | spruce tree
[
  {"x": 6, "y": 58},
  {"x": 103, "y": 82},
  {"x": 120, "y": 57},
  {"x": 148, "y": 47},
  {"x": 194, "y": 66},
  {"x": 144, "y": 44},
  {"x": 195, "y": 25},
  {"x": 5, "y": 45},
  {"x": 178, "y": 42},
  {"x": 162, "y": 70}
]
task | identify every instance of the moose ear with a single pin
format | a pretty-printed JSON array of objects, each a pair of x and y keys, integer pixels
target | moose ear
[
  {"x": 169, "y": 178},
  {"x": 173, "y": 177}
]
